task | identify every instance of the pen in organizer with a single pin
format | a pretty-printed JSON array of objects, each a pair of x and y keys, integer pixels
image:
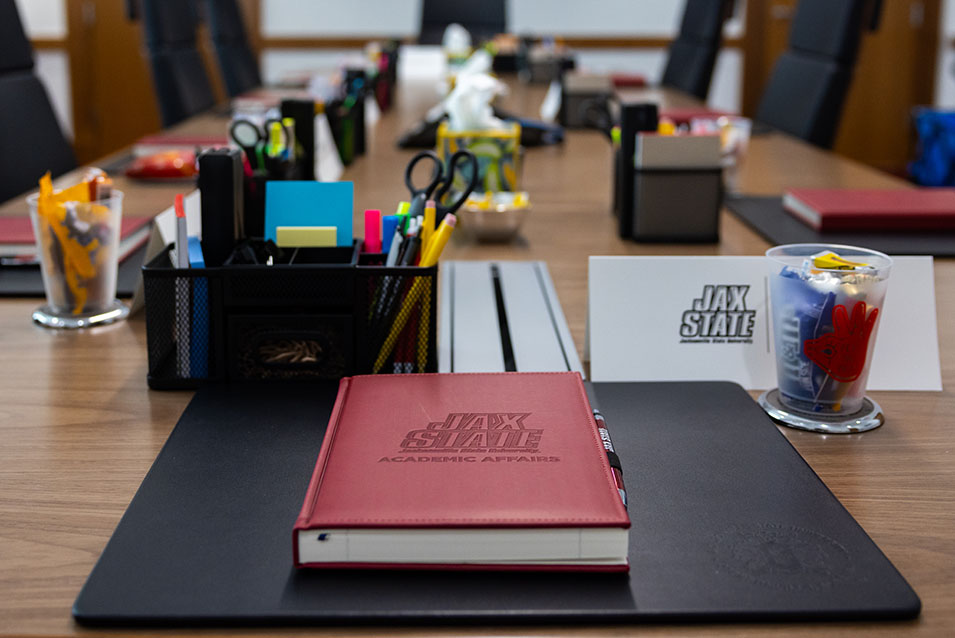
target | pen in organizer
[
  {"x": 182, "y": 235},
  {"x": 389, "y": 231},
  {"x": 291, "y": 151},
  {"x": 438, "y": 241},
  {"x": 411, "y": 244},
  {"x": 391, "y": 299},
  {"x": 276, "y": 146},
  {"x": 615, "y": 466},
  {"x": 394, "y": 252},
  {"x": 421, "y": 285},
  {"x": 183, "y": 350},
  {"x": 392, "y": 284},
  {"x": 402, "y": 212}
]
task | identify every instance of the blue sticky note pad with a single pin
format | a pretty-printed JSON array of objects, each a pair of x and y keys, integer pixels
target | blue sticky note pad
[
  {"x": 307, "y": 203},
  {"x": 195, "y": 253}
]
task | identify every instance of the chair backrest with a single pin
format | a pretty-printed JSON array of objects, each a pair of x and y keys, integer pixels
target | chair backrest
[
  {"x": 829, "y": 28},
  {"x": 16, "y": 54},
  {"x": 179, "y": 75},
  {"x": 692, "y": 55},
  {"x": 809, "y": 83},
  {"x": 482, "y": 18},
  {"x": 30, "y": 134},
  {"x": 237, "y": 62}
]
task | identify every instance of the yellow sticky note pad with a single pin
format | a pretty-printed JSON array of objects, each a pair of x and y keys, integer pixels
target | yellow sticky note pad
[{"x": 306, "y": 236}]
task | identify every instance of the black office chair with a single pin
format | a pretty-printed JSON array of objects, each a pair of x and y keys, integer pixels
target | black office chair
[
  {"x": 808, "y": 86},
  {"x": 240, "y": 69},
  {"x": 482, "y": 18},
  {"x": 692, "y": 55},
  {"x": 30, "y": 136},
  {"x": 182, "y": 85}
]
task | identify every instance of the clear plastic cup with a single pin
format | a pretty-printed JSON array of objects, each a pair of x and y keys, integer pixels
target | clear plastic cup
[
  {"x": 824, "y": 326},
  {"x": 78, "y": 249}
]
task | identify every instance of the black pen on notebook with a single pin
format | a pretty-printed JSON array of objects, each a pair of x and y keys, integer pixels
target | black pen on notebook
[{"x": 615, "y": 467}]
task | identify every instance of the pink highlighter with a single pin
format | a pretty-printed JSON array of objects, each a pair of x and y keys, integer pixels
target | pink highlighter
[{"x": 372, "y": 231}]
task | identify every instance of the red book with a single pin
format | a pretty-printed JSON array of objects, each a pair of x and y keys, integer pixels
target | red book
[
  {"x": 463, "y": 471},
  {"x": 16, "y": 236},
  {"x": 160, "y": 142},
  {"x": 628, "y": 80},
  {"x": 683, "y": 115},
  {"x": 899, "y": 210}
]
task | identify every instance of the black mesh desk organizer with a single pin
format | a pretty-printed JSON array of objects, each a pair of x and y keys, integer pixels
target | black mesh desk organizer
[{"x": 325, "y": 316}]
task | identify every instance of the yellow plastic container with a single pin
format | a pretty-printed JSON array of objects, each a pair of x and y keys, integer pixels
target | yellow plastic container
[{"x": 497, "y": 152}]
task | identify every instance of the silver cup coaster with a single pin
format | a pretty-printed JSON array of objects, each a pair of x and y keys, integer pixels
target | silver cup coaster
[
  {"x": 867, "y": 418},
  {"x": 116, "y": 311}
]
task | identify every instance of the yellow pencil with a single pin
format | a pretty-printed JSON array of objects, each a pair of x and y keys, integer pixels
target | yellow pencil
[
  {"x": 438, "y": 240},
  {"x": 427, "y": 227}
]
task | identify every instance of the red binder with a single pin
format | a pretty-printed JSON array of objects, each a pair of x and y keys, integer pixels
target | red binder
[
  {"x": 463, "y": 471},
  {"x": 899, "y": 210}
]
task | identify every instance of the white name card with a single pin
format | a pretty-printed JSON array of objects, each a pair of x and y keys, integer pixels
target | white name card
[{"x": 703, "y": 318}]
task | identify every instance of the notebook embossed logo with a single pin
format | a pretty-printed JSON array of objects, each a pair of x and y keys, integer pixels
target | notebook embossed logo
[
  {"x": 785, "y": 557},
  {"x": 500, "y": 436}
]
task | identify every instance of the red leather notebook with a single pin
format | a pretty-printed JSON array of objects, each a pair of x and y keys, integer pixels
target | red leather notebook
[
  {"x": 16, "y": 235},
  {"x": 463, "y": 471},
  {"x": 899, "y": 210},
  {"x": 683, "y": 115}
]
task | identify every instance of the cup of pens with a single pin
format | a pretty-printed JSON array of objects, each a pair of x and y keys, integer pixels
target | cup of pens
[
  {"x": 77, "y": 240},
  {"x": 826, "y": 305}
]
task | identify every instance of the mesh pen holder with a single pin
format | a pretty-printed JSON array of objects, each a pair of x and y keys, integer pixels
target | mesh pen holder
[{"x": 327, "y": 315}]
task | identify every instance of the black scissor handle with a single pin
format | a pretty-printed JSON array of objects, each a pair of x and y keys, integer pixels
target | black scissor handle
[
  {"x": 470, "y": 159},
  {"x": 249, "y": 138},
  {"x": 596, "y": 114},
  {"x": 245, "y": 133},
  {"x": 436, "y": 174}
]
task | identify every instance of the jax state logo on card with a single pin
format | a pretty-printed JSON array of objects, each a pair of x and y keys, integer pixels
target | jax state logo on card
[
  {"x": 473, "y": 437},
  {"x": 719, "y": 315}
]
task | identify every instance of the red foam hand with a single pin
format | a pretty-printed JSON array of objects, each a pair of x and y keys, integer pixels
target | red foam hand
[{"x": 841, "y": 353}]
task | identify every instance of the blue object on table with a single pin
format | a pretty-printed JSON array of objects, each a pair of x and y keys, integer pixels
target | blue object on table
[
  {"x": 309, "y": 203},
  {"x": 199, "y": 342},
  {"x": 934, "y": 164},
  {"x": 388, "y": 225}
]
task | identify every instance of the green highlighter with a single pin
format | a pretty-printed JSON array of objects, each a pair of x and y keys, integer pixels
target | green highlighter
[{"x": 402, "y": 213}]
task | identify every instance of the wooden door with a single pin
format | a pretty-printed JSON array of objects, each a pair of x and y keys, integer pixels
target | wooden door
[
  {"x": 114, "y": 102},
  {"x": 895, "y": 72}
]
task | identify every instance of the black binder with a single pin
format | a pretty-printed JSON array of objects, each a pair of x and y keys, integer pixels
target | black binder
[
  {"x": 729, "y": 524},
  {"x": 26, "y": 281}
]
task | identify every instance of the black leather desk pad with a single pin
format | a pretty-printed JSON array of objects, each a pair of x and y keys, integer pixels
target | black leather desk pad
[
  {"x": 767, "y": 217},
  {"x": 729, "y": 524},
  {"x": 26, "y": 281}
]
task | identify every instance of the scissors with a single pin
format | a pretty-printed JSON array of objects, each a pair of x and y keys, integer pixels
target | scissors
[
  {"x": 252, "y": 139},
  {"x": 441, "y": 181},
  {"x": 596, "y": 114}
]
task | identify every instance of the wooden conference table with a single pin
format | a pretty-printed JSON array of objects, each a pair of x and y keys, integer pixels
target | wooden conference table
[{"x": 79, "y": 428}]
